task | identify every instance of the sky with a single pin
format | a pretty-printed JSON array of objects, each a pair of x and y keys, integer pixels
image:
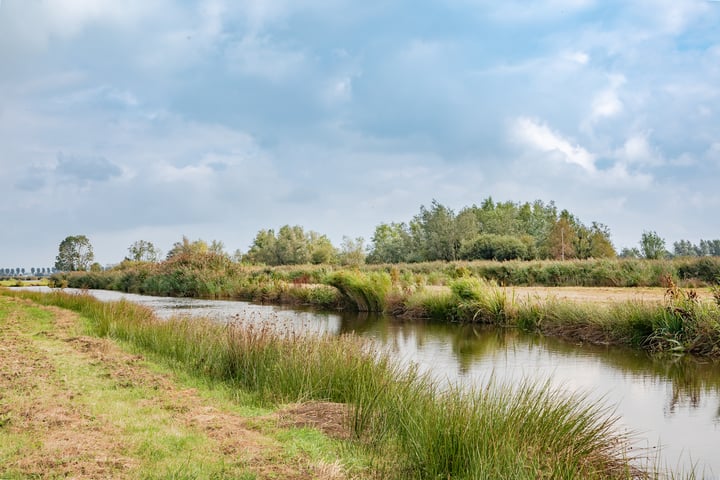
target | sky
[{"x": 213, "y": 119}]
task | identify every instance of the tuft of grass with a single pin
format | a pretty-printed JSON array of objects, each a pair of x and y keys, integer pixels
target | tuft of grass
[
  {"x": 424, "y": 303},
  {"x": 367, "y": 291}
]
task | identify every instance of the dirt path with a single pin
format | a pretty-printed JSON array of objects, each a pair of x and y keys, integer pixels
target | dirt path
[{"x": 73, "y": 406}]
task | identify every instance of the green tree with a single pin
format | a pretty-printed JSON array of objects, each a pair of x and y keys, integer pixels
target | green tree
[
  {"x": 218, "y": 248},
  {"x": 320, "y": 248},
  {"x": 599, "y": 240},
  {"x": 263, "y": 249},
  {"x": 186, "y": 247},
  {"x": 563, "y": 239},
  {"x": 709, "y": 247},
  {"x": 435, "y": 233},
  {"x": 391, "y": 243},
  {"x": 143, "y": 251},
  {"x": 684, "y": 248},
  {"x": 652, "y": 245},
  {"x": 352, "y": 251},
  {"x": 489, "y": 246},
  {"x": 75, "y": 253},
  {"x": 630, "y": 253},
  {"x": 292, "y": 246}
]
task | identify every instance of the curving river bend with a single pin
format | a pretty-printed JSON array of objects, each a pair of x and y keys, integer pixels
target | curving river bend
[{"x": 671, "y": 404}]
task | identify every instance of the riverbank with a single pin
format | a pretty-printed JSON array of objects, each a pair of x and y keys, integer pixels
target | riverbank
[
  {"x": 665, "y": 318},
  {"x": 399, "y": 419}
]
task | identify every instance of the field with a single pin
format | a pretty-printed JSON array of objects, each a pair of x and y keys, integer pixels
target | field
[
  {"x": 599, "y": 295},
  {"x": 24, "y": 283}
]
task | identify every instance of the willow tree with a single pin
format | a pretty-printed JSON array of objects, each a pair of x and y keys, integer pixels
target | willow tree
[{"x": 74, "y": 254}]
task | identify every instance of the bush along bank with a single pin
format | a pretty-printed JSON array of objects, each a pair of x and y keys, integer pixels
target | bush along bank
[
  {"x": 681, "y": 323},
  {"x": 414, "y": 428},
  {"x": 214, "y": 275}
]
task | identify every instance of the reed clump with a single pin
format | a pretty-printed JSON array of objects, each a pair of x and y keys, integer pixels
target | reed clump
[
  {"x": 367, "y": 292},
  {"x": 417, "y": 429}
]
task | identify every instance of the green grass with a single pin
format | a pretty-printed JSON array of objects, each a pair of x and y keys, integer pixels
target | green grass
[
  {"x": 367, "y": 292},
  {"x": 408, "y": 425},
  {"x": 132, "y": 413},
  {"x": 679, "y": 324},
  {"x": 159, "y": 447}
]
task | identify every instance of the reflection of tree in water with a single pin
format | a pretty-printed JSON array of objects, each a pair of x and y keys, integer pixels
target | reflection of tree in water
[
  {"x": 471, "y": 342},
  {"x": 690, "y": 378},
  {"x": 687, "y": 384}
]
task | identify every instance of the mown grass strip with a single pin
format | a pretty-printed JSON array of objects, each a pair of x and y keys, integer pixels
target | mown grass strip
[{"x": 69, "y": 416}]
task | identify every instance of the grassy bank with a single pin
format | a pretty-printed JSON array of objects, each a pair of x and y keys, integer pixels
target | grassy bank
[
  {"x": 680, "y": 323},
  {"x": 214, "y": 276},
  {"x": 402, "y": 419},
  {"x": 76, "y": 406}
]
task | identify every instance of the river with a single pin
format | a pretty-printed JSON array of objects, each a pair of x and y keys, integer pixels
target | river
[{"x": 671, "y": 405}]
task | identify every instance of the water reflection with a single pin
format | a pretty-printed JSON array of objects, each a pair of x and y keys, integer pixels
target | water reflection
[
  {"x": 673, "y": 402},
  {"x": 472, "y": 345}
]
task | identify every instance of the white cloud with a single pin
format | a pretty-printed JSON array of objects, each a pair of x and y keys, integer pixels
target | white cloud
[
  {"x": 103, "y": 93},
  {"x": 637, "y": 151},
  {"x": 64, "y": 19},
  {"x": 607, "y": 102},
  {"x": 713, "y": 154},
  {"x": 539, "y": 136},
  {"x": 579, "y": 57},
  {"x": 338, "y": 90},
  {"x": 523, "y": 11},
  {"x": 259, "y": 56},
  {"x": 536, "y": 136},
  {"x": 672, "y": 16}
]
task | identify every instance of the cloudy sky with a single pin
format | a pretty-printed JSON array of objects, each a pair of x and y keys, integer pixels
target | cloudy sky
[{"x": 213, "y": 119}]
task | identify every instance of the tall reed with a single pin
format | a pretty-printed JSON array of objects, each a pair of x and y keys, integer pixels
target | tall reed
[{"x": 367, "y": 291}]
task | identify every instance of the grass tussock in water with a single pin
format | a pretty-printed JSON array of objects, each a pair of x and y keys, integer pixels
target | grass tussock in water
[
  {"x": 415, "y": 428},
  {"x": 367, "y": 292}
]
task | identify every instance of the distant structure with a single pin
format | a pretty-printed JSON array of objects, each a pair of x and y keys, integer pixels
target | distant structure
[{"x": 23, "y": 272}]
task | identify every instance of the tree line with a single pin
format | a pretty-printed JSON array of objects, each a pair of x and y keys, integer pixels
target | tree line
[
  {"x": 491, "y": 231},
  {"x": 21, "y": 271}
]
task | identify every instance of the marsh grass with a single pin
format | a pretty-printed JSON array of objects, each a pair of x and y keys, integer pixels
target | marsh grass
[
  {"x": 425, "y": 303},
  {"x": 367, "y": 291},
  {"x": 683, "y": 323},
  {"x": 415, "y": 428}
]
